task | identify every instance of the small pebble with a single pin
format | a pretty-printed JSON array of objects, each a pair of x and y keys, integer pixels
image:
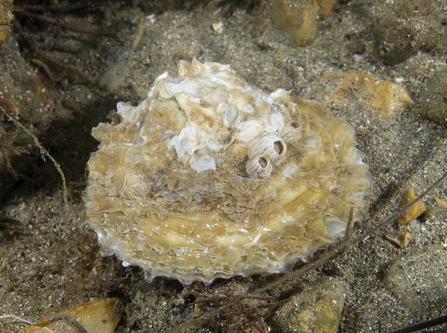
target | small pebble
[
  {"x": 418, "y": 279},
  {"x": 401, "y": 240},
  {"x": 317, "y": 309},
  {"x": 218, "y": 27},
  {"x": 414, "y": 211}
]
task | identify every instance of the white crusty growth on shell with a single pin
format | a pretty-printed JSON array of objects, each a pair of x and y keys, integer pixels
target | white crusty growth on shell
[
  {"x": 209, "y": 177},
  {"x": 216, "y": 119}
]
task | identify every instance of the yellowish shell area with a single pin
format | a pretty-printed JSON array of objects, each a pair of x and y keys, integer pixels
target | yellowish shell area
[{"x": 209, "y": 177}]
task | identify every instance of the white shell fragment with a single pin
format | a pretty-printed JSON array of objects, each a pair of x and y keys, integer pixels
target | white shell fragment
[{"x": 211, "y": 178}]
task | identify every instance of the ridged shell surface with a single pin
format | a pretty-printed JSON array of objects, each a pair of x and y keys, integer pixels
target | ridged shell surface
[{"x": 209, "y": 177}]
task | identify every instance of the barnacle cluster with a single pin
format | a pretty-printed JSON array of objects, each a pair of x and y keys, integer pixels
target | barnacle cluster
[{"x": 209, "y": 177}]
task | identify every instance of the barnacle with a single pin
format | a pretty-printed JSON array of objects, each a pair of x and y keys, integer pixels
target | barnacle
[{"x": 209, "y": 177}]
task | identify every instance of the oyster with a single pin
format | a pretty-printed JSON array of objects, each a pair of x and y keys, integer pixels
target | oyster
[{"x": 211, "y": 178}]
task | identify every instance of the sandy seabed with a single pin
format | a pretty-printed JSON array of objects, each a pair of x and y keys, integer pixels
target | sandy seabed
[{"x": 50, "y": 259}]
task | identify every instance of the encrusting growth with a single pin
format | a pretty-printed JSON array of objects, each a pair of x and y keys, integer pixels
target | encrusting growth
[{"x": 209, "y": 177}]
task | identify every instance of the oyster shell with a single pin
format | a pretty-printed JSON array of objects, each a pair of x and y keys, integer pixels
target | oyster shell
[{"x": 211, "y": 178}]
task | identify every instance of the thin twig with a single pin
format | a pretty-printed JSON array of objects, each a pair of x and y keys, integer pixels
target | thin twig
[
  {"x": 44, "y": 66},
  {"x": 16, "y": 318},
  {"x": 43, "y": 152},
  {"x": 222, "y": 55},
  {"x": 331, "y": 255},
  {"x": 426, "y": 324},
  {"x": 69, "y": 320},
  {"x": 401, "y": 211}
]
